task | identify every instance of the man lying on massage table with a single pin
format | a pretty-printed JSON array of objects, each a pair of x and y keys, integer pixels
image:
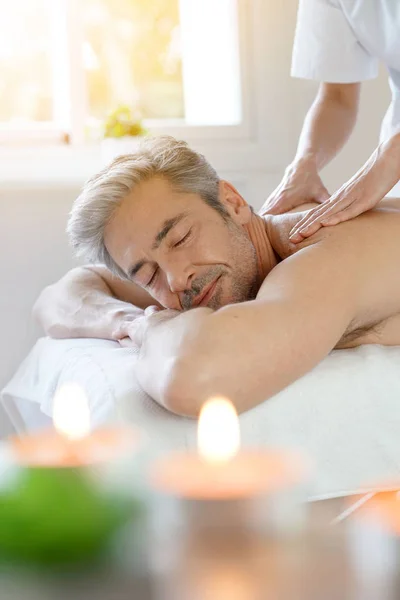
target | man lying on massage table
[{"x": 248, "y": 312}]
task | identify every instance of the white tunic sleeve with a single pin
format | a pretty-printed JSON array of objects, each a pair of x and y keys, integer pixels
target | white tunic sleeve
[{"x": 326, "y": 48}]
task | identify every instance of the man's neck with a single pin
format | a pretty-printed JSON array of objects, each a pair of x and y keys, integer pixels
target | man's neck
[{"x": 266, "y": 257}]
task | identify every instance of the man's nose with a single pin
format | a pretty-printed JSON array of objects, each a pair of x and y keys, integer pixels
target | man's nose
[{"x": 179, "y": 280}]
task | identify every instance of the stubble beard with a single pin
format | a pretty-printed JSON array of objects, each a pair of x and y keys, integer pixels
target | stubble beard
[{"x": 244, "y": 280}]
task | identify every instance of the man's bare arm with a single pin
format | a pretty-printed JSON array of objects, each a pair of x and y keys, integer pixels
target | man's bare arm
[
  {"x": 251, "y": 351},
  {"x": 90, "y": 302}
]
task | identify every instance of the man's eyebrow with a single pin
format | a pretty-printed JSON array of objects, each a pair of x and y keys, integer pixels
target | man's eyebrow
[
  {"x": 135, "y": 268},
  {"x": 166, "y": 228},
  {"x": 161, "y": 235}
]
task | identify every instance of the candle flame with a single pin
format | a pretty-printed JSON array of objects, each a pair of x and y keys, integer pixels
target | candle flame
[
  {"x": 71, "y": 415},
  {"x": 218, "y": 434}
]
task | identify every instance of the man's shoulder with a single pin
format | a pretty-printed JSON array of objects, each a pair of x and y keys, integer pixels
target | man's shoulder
[
  {"x": 377, "y": 230},
  {"x": 365, "y": 249},
  {"x": 280, "y": 226}
]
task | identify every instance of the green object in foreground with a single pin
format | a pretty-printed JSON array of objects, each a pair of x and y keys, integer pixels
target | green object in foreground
[{"x": 57, "y": 517}]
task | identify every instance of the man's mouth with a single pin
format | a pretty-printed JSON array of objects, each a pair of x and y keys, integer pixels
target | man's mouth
[{"x": 204, "y": 297}]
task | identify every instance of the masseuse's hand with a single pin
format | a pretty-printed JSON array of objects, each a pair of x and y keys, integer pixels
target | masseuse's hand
[
  {"x": 352, "y": 199},
  {"x": 300, "y": 184},
  {"x": 361, "y": 193},
  {"x": 137, "y": 329}
]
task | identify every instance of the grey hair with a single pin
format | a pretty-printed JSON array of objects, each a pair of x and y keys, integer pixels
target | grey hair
[{"x": 186, "y": 170}]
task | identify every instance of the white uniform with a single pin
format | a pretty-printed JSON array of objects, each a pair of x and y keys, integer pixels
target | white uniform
[{"x": 343, "y": 41}]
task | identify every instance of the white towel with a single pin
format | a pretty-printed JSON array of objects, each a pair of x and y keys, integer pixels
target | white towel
[{"x": 345, "y": 414}]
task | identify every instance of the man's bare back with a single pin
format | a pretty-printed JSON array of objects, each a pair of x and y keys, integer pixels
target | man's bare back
[
  {"x": 337, "y": 289},
  {"x": 265, "y": 311},
  {"x": 374, "y": 240}
]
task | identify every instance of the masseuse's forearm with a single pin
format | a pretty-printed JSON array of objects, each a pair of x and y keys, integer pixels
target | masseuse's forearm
[
  {"x": 380, "y": 173},
  {"x": 82, "y": 305},
  {"x": 328, "y": 124},
  {"x": 386, "y": 163}
]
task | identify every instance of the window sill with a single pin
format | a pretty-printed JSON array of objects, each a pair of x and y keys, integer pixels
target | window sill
[{"x": 52, "y": 166}]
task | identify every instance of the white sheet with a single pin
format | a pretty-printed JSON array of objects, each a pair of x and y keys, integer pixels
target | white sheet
[{"x": 345, "y": 414}]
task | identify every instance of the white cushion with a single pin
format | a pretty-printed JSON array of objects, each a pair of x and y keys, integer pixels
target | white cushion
[{"x": 345, "y": 414}]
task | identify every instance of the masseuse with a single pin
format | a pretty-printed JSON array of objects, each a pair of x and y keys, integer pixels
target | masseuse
[{"x": 341, "y": 43}]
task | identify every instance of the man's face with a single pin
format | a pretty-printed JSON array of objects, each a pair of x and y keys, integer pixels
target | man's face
[{"x": 181, "y": 250}]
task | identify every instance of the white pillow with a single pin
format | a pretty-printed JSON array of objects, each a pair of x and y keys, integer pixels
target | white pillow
[
  {"x": 345, "y": 414},
  {"x": 104, "y": 369},
  {"x": 29, "y": 395}
]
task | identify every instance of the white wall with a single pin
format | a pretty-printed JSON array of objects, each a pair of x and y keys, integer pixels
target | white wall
[
  {"x": 33, "y": 245},
  {"x": 34, "y": 253}
]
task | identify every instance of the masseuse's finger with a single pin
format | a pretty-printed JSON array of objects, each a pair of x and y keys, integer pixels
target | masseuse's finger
[
  {"x": 354, "y": 210},
  {"x": 295, "y": 235},
  {"x": 315, "y": 219},
  {"x": 310, "y": 230},
  {"x": 329, "y": 210}
]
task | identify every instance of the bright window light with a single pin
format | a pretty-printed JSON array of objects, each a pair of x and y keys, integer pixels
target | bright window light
[
  {"x": 25, "y": 62},
  {"x": 131, "y": 55},
  {"x": 210, "y": 55},
  {"x": 65, "y": 64}
]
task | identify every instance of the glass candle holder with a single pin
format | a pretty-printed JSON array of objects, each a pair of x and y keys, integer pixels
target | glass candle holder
[{"x": 222, "y": 543}]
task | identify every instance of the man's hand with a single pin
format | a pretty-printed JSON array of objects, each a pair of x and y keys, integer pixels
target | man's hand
[
  {"x": 300, "y": 184},
  {"x": 161, "y": 336},
  {"x": 135, "y": 331}
]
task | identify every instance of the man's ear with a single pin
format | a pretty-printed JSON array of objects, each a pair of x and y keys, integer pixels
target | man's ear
[{"x": 234, "y": 203}]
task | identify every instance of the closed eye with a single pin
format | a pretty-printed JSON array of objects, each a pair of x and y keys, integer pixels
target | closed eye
[
  {"x": 183, "y": 240},
  {"x": 152, "y": 279}
]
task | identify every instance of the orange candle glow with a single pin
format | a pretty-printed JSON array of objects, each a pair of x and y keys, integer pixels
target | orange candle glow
[
  {"x": 383, "y": 510},
  {"x": 220, "y": 470},
  {"x": 71, "y": 444}
]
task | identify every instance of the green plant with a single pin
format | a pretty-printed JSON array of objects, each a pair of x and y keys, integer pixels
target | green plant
[{"x": 123, "y": 121}]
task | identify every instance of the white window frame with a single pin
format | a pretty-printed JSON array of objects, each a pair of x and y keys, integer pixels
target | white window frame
[{"x": 70, "y": 90}]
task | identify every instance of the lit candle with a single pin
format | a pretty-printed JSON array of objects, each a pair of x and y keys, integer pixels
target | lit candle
[
  {"x": 220, "y": 470},
  {"x": 218, "y": 512},
  {"x": 54, "y": 509},
  {"x": 71, "y": 444}
]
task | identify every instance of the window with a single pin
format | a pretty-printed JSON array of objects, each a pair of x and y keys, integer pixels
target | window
[
  {"x": 26, "y": 82},
  {"x": 131, "y": 54},
  {"x": 64, "y": 64},
  {"x": 25, "y": 50}
]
